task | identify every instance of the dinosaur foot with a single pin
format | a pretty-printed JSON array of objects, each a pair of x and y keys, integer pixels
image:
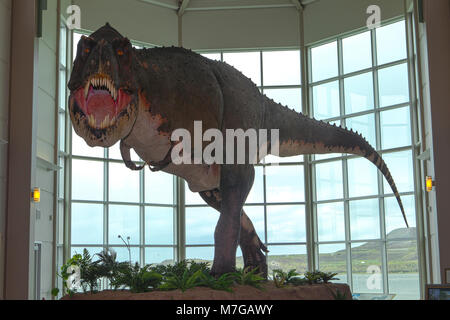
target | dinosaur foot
[{"x": 253, "y": 252}]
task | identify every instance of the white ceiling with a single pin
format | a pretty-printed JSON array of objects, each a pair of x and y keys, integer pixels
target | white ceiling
[{"x": 182, "y": 6}]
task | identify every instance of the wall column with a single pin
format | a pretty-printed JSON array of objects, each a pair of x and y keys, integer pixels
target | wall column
[
  {"x": 437, "y": 19},
  {"x": 19, "y": 270}
]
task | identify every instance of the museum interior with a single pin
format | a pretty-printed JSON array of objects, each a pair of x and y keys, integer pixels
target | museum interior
[{"x": 378, "y": 67}]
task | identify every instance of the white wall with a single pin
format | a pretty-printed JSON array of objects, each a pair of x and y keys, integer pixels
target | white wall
[
  {"x": 132, "y": 18},
  {"x": 232, "y": 28},
  {"x": 5, "y": 47}
]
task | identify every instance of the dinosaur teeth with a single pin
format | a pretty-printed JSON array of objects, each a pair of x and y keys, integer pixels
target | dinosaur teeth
[
  {"x": 91, "y": 120},
  {"x": 105, "y": 123}
]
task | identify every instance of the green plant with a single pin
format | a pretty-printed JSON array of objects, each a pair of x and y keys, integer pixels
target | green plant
[
  {"x": 282, "y": 278},
  {"x": 320, "y": 277},
  {"x": 109, "y": 267},
  {"x": 55, "y": 292},
  {"x": 248, "y": 276},
  {"x": 184, "y": 282},
  {"x": 90, "y": 272},
  {"x": 224, "y": 282},
  {"x": 137, "y": 279},
  {"x": 313, "y": 277},
  {"x": 327, "y": 276}
]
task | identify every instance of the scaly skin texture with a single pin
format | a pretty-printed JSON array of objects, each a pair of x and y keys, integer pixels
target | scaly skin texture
[{"x": 156, "y": 91}]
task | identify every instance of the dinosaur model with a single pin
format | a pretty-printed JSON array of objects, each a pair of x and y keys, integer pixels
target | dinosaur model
[{"x": 140, "y": 96}]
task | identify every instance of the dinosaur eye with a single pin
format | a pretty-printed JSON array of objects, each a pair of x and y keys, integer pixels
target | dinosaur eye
[{"x": 120, "y": 52}]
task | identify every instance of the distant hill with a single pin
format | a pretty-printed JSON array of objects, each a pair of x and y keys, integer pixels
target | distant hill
[{"x": 401, "y": 252}]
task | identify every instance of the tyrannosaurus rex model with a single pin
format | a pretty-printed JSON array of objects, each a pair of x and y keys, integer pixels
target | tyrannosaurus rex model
[{"x": 140, "y": 97}]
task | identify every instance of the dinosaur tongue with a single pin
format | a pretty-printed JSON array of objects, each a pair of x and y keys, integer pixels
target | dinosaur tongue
[{"x": 101, "y": 105}]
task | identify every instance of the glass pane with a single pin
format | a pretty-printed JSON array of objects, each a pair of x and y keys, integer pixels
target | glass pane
[
  {"x": 333, "y": 258},
  {"x": 63, "y": 45},
  {"x": 158, "y": 187},
  {"x": 163, "y": 256},
  {"x": 76, "y": 38},
  {"x": 123, "y": 221},
  {"x": 200, "y": 253},
  {"x": 286, "y": 224},
  {"x": 401, "y": 168},
  {"x": 285, "y": 184},
  {"x": 123, "y": 183},
  {"x": 366, "y": 268},
  {"x": 395, "y": 128},
  {"x": 192, "y": 197},
  {"x": 87, "y": 224},
  {"x": 395, "y": 224},
  {"x": 329, "y": 183},
  {"x": 87, "y": 180},
  {"x": 281, "y": 68},
  {"x": 200, "y": 225},
  {"x": 326, "y": 100},
  {"x": 62, "y": 132},
  {"x": 331, "y": 222},
  {"x": 123, "y": 255},
  {"x": 212, "y": 56},
  {"x": 62, "y": 89},
  {"x": 256, "y": 215},
  {"x": 364, "y": 125},
  {"x": 391, "y": 42},
  {"x": 247, "y": 62},
  {"x": 403, "y": 269},
  {"x": 270, "y": 159},
  {"x": 359, "y": 93},
  {"x": 92, "y": 251},
  {"x": 256, "y": 195},
  {"x": 61, "y": 177},
  {"x": 362, "y": 178},
  {"x": 114, "y": 153},
  {"x": 393, "y": 85},
  {"x": 364, "y": 219},
  {"x": 287, "y": 257},
  {"x": 324, "y": 61},
  {"x": 239, "y": 259},
  {"x": 60, "y": 224},
  {"x": 80, "y": 147},
  {"x": 291, "y": 98},
  {"x": 357, "y": 52},
  {"x": 159, "y": 228}
]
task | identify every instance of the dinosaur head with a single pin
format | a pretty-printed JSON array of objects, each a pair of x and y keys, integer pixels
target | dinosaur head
[{"x": 103, "y": 91}]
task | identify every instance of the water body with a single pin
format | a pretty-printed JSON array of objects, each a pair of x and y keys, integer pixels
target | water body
[{"x": 404, "y": 286}]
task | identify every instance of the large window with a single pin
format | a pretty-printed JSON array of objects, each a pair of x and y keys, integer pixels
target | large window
[
  {"x": 361, "y": 82},
  {"x": 329, "y": 212}
]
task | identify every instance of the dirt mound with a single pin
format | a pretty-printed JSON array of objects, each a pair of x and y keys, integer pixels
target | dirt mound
[{"x": 269, "y": 292}]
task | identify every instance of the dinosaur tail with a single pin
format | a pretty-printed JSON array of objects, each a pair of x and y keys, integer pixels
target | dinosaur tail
[{"x": 299, "y": 134}]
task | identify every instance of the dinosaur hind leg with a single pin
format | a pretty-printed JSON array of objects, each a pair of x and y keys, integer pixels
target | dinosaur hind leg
[{"x": 252, "y": 247}]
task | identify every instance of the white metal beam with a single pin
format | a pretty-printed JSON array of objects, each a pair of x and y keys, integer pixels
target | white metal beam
[
  {"x": 298, "y": 5},
  {"x": 183, "y": 5}
]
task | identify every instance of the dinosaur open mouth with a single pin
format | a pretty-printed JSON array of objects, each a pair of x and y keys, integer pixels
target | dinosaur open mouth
[{"x": 101, "y": 102}]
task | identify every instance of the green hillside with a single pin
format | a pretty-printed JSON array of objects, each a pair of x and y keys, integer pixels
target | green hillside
[{"x": 401, "y": 252}]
